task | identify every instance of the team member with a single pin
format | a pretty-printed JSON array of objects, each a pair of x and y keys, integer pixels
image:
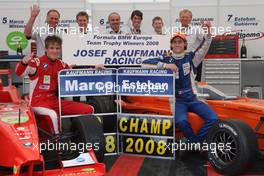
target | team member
[
  {"x": 136, "y": 19},
  {"x": 43, "y": 74},
  {"x": 114, "y": 22},
  {"x": 194, "y": 36},
  {"x": 52, "y": 20},
  {"x": 82, "y": 19},
  {"x": 181, "y": 63},
  {"x": 157, "y": 24}
]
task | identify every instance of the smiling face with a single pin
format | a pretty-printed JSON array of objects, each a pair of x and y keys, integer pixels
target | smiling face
[
  {"x": 114, "y": 22},
  {"x": 158, "y": 25},
  {"x": 178, "y": 45},
  {"x": 53, "y": 51},
  {"x": 136, "y": 21},
  {"x": 185, "y": 18},
  {"x": 53, "y": 19},
  {"x": 82, "y": 22}
]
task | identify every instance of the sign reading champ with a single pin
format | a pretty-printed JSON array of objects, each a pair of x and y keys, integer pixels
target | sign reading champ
[
  {"x": 141, "y": 134},
  {"x": 142, "y": 125},
  {"x": 87, "y": 82},
  {"x": 94, "y": 49},
  {"x": 146, "y": 82}
]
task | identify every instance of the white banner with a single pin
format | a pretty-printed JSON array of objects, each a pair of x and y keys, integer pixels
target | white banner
[
  {"x": 247, "y": 22},
  {"x": 112, "y": 49},
  {"x": 13, "y": 20}
]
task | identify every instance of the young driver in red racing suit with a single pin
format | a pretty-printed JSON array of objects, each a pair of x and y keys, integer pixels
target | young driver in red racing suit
[
  {"x": 181, "y": 64},
  {"x": 43, "y": 74}
]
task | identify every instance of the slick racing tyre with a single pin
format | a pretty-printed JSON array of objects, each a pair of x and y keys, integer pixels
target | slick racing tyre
[
  {"x": 102, "y": 104},
  {"x": 90, "y": 131},
  {"x": 105, "y": 104},
  {"x": 240, "y": 146}
]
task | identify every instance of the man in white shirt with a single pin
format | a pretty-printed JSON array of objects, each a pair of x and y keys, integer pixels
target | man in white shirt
[
  {"x": 194, "y": 36},
  {"x": 82, "y": 19},
  {"x": 114, "y": 22},
  {"x": 52, "y": 20},
  {"x": 136, "y": 19},
  {"x": 157, "y": 24}
]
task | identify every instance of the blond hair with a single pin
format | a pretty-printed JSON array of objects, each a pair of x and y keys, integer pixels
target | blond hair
[{"x": 185, "y": 11}]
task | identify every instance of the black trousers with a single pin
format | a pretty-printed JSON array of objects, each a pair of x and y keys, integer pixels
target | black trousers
[{"x": 199, "y": 69}]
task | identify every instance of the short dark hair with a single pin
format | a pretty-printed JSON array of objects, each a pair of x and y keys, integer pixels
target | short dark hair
[
  {"x": 136, "y": 13},
  {"x": 82, "y": 13},
  {"x": 51, "y": 39},
  {"x": 157, "y": 18},
  {"x": 53, "y": 10}
]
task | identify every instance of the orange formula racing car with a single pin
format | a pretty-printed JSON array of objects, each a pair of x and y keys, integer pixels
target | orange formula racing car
[{"x": 240, "y": 125}]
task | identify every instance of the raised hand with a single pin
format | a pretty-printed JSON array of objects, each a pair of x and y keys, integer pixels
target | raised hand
[
  {"x": 34, "y": 11},
  {"x": 207, "y": 25},
  {"x": 27, "y": 58}
]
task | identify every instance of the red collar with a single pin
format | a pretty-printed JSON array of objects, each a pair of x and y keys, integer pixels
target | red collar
[{"x": 47, "y": 59}]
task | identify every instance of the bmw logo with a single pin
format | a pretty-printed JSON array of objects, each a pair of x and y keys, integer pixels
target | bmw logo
[
  {"x": 45, "y": 65},
  {"x": 27, "y": 144}
]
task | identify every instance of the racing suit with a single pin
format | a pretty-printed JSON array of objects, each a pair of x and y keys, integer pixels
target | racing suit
[
  {"x": 186, "y": 100},
  {"x": 43, "y": 75}
]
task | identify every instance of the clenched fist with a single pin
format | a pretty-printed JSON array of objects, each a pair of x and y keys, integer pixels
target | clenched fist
[{"x": 27, "y": 58}]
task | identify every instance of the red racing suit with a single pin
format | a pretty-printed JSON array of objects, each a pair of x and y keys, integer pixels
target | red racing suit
[{"x": 43, "y": 75}]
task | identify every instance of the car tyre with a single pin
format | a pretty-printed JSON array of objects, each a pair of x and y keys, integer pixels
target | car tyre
[
  {"x": 90, "y": 130},
  {"x": 241, "y": 152}
]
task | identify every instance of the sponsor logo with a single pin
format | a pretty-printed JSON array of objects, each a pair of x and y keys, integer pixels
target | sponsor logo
[
  {"x": 186, "y": 68},
  {"x": 46, "y": 79},
  {"x": 222, "y": 125},
  {"x": 14, "y": 37},
  {"x": 247, "y": 35},
  {"x": 14, "y": 119},
  {"x": 80, "y": 160},
  {"x": 88, "y": 169},
  {"x": 45, "y": 65},
  {"x": 21, "y": 128},
  {"x": 44, "y": 87},
  {"x": 27, "y": 144}
]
